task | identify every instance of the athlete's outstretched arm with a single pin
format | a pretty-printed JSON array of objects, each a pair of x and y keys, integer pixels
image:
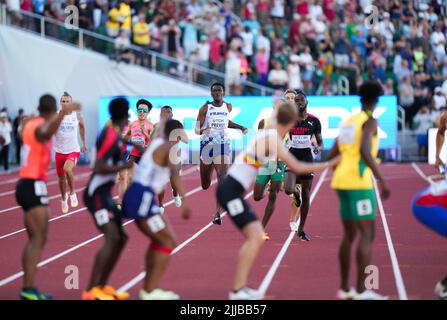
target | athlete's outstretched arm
[
  {"x": 82, "y": 131},
  {"x": 300, "y": 167},
  {"x": 261, "y": 124},
  {"x": 45, "y": 131},
  {"x": 440, "y": 137},
  {"x": 201, "y": 119},
  {"x": 369, "y": 130},
  {"x": 334, "y": 150}
]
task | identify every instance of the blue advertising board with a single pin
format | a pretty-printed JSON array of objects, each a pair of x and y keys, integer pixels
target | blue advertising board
[{"x": 248, "y": 111}]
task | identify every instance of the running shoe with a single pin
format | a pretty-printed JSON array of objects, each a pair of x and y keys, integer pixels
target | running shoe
[
  {"x": 64, "y": 204},
  {"x": 158, "y": 294},
  {"x": 346, "y": 295},
  {"x": 178, "y": 201},
  {"x": 293, "y": 226},
  {"x": 441, "y": 291},
  {"x": 34, "y": 294},
  {"x": 217, "y": 219},
  {"x": 266, "y": 236},
  {"x": 369, "y": 295},
  {"x": 73, "y": 200},
  {"x": 303, "y": 236},
  {"x": 246, "y": 294},
  {"x": 117, "y": 295},
  {"x": 162, "y": 210},
  {"x": 96, "y": 293}
]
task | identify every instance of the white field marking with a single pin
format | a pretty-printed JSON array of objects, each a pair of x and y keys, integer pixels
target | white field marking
[
  {"x": 13, "y": 180},
  {"x": 83, "y": 244},
  {"x": 49, "y": 198},
  {"x": 186, "y": 172},
  {"x": 421, "y": 173},
  {"x": 396, "y": 270},
  {"x": 272, "y": 271},
  {"x": 128, "y": 285},
  {"x": 80, "y": 176}
]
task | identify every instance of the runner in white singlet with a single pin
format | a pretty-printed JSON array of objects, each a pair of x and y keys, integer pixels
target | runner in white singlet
[
  {"x": 68, "y": 150},
  {"x": 215, "y": 152}
]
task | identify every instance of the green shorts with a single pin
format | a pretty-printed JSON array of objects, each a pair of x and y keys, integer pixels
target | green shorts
[
  {"x": 357, "y": 204},
  {"x": 277, "y": 176}
]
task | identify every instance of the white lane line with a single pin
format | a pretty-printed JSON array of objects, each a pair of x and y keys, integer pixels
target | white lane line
[
  {"x": 128, "y": 285},
  {"x": 396, "y": 269},
  {"x": 83, "y": 244},
  {"x": 13, "y": 180},
  {"x": 272, "y": 271},
  {"x": 182, "y": 173},
  {"x": 421, "y": 173}
]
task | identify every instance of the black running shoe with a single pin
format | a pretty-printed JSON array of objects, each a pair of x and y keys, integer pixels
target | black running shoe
[
  {"x": 303, "y": 236},
  {"x": 217, "y": 219}
]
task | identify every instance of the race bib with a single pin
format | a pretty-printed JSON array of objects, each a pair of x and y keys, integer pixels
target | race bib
[
  {"x": 301, "y": 141},
  {"x": 138, "y": 140},
  {"x": 219, "y": 124},
  {"x": 347, "y": 134},
  {"x": 40, "y": 189}
]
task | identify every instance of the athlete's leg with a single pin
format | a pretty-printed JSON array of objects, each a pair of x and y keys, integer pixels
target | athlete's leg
[
  {"x": 62, "y": 180},
  {"x": 68, "y": 169},
  {"x": 206, "y": 171},
  {"x": 270, "y": 207},
  {"x": 161, "y": 198},
  {"x": 122, "y": 184},
  {"x": 344, "y": 253},
  {"x": 289, "y": 182},
  {"x": 36, "y": 223},
  {"x": 258, "y": 191},
  {"x": 306, "y": 185},
  {"x": 107, "y": 256},
  {"x": 221, "y": 165},
  {"x": 253, "y": 233},
  {"x": 366, "y": 230},
  {"x": 158, "y": 254}
]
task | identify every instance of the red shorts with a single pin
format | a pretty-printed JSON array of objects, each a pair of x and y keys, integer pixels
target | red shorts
[{"x": 62, "y": 158}]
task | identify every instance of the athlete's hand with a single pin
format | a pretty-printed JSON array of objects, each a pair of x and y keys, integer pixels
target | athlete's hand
[
  {"x": 244, "y": 130},
  {"x": 334, "y": 161},
  {"x": 186, "y": 210},
  {"x": 384, "y": 190},
  {"x": 206, "y": 131},
  {"x": 84, "y": 148},
  {"x": 69, "y": 107}
]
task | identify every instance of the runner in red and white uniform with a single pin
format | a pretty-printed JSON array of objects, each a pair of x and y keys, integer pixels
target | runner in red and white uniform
[
  {"x": 67, "y": 148},
  {"x": 31, "y": 190}
]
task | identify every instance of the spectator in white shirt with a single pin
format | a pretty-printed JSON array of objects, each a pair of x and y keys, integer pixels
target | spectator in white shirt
[
  {"x": 439, "y": 100},
  {"x": 278, "y": 76},
  {"x": 438, "y": 41},
  {"x": 423, "y": 121},
  {"x": 263, "y": 42},
  {"x": 247, "y": 38},
  {"x": 122, "y": 47},
  {"x": 293, "y": 72},
  {"x": 386, "y": 29},
  {"x": 5, "y": 141}
]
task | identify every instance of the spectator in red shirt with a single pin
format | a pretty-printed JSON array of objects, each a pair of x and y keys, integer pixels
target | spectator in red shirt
[
  {"x": 302, "y": 7},
  {"x": 294, "y": 31},
  {"x": 328, "y": 9},
  {"x": 216, "y": 49},
  {"x": 262, "y": 10},
  {"x": 168, "y": 9}
]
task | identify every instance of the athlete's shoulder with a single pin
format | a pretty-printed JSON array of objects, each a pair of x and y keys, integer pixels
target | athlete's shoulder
[{"x": 309, "y": 115}]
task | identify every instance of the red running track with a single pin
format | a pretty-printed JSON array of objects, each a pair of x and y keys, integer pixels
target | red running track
[{"x": 204, "y": 267}]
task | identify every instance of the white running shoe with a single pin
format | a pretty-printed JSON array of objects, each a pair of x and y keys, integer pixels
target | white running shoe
[
  {"x": 158, "y": 294},
  {"x": 64, "y": 204},
  {"x": 162, "y": 210},
  {"x": 441, "y": 291},
  {"x": 293, "y": 226},
  {"x": 73, "y": 200},
  {"x": 246, "y": 294},
  {"x": 369, "y": 295},
  {"x": 178, "y": 201},
  {"x": 346, "y": 295}
]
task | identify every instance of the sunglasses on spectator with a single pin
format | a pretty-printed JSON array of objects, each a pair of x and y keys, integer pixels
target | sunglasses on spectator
[{"x": 142, "y": 110}]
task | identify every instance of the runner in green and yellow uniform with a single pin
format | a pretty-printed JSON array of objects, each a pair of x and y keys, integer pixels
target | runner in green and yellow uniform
[{"x": 358, "y": 145}]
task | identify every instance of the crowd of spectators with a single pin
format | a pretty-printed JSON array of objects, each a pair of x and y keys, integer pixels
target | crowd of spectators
[{"x": 321, "y": 46}]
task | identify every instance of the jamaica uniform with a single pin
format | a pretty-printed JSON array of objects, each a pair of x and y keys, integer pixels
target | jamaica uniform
[{"x": 353, "y": 178}]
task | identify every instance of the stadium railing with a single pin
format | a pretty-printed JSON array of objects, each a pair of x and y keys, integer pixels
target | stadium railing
[{"x": 100, "y": 42}]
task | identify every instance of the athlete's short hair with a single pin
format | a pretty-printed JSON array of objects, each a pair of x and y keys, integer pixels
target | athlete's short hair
[
  {"x": 301, "y": 92},
  {"x": 66, "y": 94},
  {"x": 47, "y": 104},
  {"x": 172, "y": 125},
  {"x": 217, "y": 84},
  {"x": 119, "y": 109},
  {"x": 370, "y": 91},
  {"x": 146, "y": 103},
  {"x": 289, "y": 91},
  {"x": 167, "y": 107},
  {"x": 286, "y": 113}
]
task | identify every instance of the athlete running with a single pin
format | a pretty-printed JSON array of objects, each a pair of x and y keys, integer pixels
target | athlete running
[
  {"x": 358, "y": 145},
  {"x": 273, "y": 174},
  {"x": 440, "y": 137},
  {"x": 304, "y": 149},
  {"x": 153, "y": 173},
  {"x": 67, "y": 150},
  {"x": 241, "y": 175},
  {"x": 165, "y": 115},
  {"x": 215, "y": 152},
  {"x": 139, "y": 133},
  {"x": 31, "y": 190},
  {"x": 99, "y": 201}
]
